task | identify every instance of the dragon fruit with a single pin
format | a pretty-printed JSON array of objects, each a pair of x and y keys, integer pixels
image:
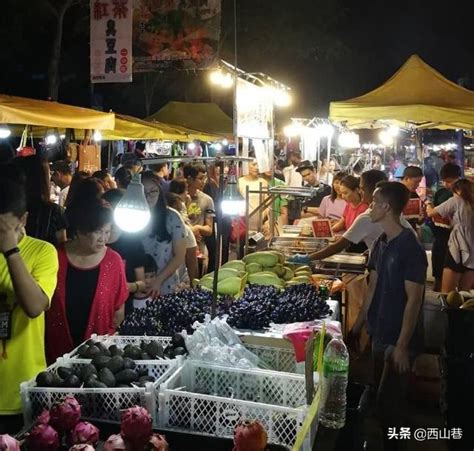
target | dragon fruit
[
  {"x": 250, "y": 436},
  {"x": 84, "y": 432},
  {"x": 65, "y": 415},
  {"x": 114, "y": 443},
  {"x": 82, "y": 447},
  {"x": 9, "y": 443},
  {"x": 43, "y": 418},
  {"x": 43, "y": 438},
  {"x": 136, "y": 427},
  {"x": 158, "y": 443}
]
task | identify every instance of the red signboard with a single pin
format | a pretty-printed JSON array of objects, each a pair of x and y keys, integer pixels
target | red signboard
[{"x": 322, "y": 228}]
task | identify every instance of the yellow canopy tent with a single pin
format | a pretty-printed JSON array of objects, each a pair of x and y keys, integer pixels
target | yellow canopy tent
[
  {"x": 19, "y": 110},
  {"x": 205, "y": 118},
  {"x": 415, "y": 94}
]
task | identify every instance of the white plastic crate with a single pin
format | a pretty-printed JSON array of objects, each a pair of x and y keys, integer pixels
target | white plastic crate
[
  {"x": 278, "y": 359},
  {"x": 211, "y": 400},
  {"x": 96, "y": 403},
  {"x": 121, "y": 341}
]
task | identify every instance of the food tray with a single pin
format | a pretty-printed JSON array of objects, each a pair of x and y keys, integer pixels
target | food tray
[
  {"x": 97, "y": 403},
  {"x": 211, "y": 400},
  {"x": 299, "y": 244},
  {"x": 121, "y": 341}
]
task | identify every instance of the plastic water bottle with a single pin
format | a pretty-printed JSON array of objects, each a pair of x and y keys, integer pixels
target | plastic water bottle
[{"x": 335, "y": 374}]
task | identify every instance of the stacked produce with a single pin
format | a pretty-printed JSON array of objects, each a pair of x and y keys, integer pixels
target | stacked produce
[
  {"x": 172, "y": 313},
  {"x": 110, "y": 367},
  {"x": 461, "y": 299},
  {"x": 260, "y": 268},
  {"x": 261, "y": 305}
]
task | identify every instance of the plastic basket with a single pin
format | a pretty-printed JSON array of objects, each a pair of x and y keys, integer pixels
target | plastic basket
[
  {"x": 277, "y": 359},
  {"x": 96, "y": 403},
  {"x": 121, "y": 341},
  {"x": 212, "y": 400}
]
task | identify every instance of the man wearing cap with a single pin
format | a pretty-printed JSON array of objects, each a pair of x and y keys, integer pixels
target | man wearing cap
[
  {"x": 62, "y": 177},
  {"x": 310, "y": 179}
]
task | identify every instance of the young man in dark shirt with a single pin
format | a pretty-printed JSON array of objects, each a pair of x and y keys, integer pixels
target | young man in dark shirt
[{"x": 392, "y": 308}]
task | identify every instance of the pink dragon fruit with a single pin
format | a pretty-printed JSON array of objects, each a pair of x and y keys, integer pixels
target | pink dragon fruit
[
  {"x": 82, "y": 447},
  {"x": 136, "y": 427},
  {"x": 9, "y": 443},
  {"x": 115, "y": 443},
  {"x": 65, "y": 415},
  {"x": 43, "y": 438},
  {"x": 84, "y": 432},
  {"x": 250, "y": 436},
  {"x": 158, "y": 443},
  {"x": 43, "y": 418}
]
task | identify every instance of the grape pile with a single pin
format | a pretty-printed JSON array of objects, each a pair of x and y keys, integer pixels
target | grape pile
[
  {"x": 261, "y": 305},
  {"x": 299, "y": 303},
  {"x": 171, "y": 313}
]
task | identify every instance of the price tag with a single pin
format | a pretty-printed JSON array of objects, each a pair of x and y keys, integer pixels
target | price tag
[
  {"x": 5, "y": 325},
  {"x": 412, "y": 209},
  {"x": 322, "y": 228}
]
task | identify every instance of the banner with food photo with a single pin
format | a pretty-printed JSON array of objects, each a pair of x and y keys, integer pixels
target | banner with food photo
[{"x": 175, "y": 34}]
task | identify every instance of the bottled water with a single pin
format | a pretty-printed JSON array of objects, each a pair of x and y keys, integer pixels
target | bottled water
[{"x": 335, "y": 373}]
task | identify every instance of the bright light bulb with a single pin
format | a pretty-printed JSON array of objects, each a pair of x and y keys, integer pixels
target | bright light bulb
[
  {"x": 348, "y": 140},
  {"x": 227, "y": 81},
  {"x": 218, "y": 146},
  {"x": 216, "y": 77},
  {"x": 191, "y": 146},
  {"x": 393, "y": 131},
  {"x": 385, "y": 138},
  {"x": 132, "y": 213},
  {"x": 51, "y": 140},
  {"x": 294, "y": 129},
  {"x": 97, "y": 136},
  {"x": 232, "y": 204},
  {"x": 225, "y": 142},
  {"x": 281, "y": 98},
  {"x": 5, "y": 132},
  {"x": 63, "y": 136}
]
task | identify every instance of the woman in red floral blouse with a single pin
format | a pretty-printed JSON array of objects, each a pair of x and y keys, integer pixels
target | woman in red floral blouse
[{"x": 92, "y": 287}]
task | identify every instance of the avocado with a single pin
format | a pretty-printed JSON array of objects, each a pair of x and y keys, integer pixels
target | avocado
[
  {"x": 90, "y": 379},
  {"x": 81, "y": 350},
  {"x": 64, "y": 372},
  {"x": 100, "y": 361},
  {"x": 132, "y": 352},
  {"x": 123, "y": 386},
  {"x": 92, "y": 351},
  {"x": 178, "y": 341},
  {"x": 129, "y": 364},
  {"x": 142, "y": 372},
  {"x": 126, "y": 376},
  {"x": 145, "y": 356},
  {"x": 91, "y": 342},
  {"x": 98, "y": 384},
  {"x": 115, "y": 364},
  {"x": 107, "y": 377},
  {"x": 154, "y": 349},
  {"x": 146, "y": 379},
  {"x": 103, "y": 349},
  {"x": 178, "y": 351},
  {"x": 115, "y": 350},
  {"x": 56, "y": 380},
  {"x": 86, "y": 371},
  {"x": 72, "y": 381},
  {"x": 44, "y": 379}
]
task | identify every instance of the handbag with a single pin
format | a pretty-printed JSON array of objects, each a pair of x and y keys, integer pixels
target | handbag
[
  {"x": 89, "y": 154},
  {"x": 24, "y": 150}
]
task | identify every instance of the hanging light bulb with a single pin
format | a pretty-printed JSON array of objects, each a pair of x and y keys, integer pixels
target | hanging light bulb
[
  {"x": 97, "y": 136},
  {"x": 5, "y": 132},
  {"x": 233, "y": 204},
  {"x": 51, "y": 140},
  {"x": 132, "y": 213}
]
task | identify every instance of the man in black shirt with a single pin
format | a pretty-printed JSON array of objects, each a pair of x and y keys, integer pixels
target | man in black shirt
[
  {"x": 393, "y": 305},
  {"x": 310, "y": 178}
]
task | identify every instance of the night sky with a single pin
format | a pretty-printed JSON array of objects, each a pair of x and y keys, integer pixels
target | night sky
[{"x": 324, "y": 49}]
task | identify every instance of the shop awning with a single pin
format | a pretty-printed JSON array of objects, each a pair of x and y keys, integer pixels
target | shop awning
[
  {"x": 415, "y": 94},
  {"x": 205, "y": 118},
  {"x": 19, "y": 110}
]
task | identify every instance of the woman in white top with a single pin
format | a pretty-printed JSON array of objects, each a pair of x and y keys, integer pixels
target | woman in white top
[{"x": 458, "y": 269}]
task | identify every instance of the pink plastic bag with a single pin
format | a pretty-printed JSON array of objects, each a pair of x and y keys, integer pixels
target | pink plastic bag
[{"x": 298, "y": 334}]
